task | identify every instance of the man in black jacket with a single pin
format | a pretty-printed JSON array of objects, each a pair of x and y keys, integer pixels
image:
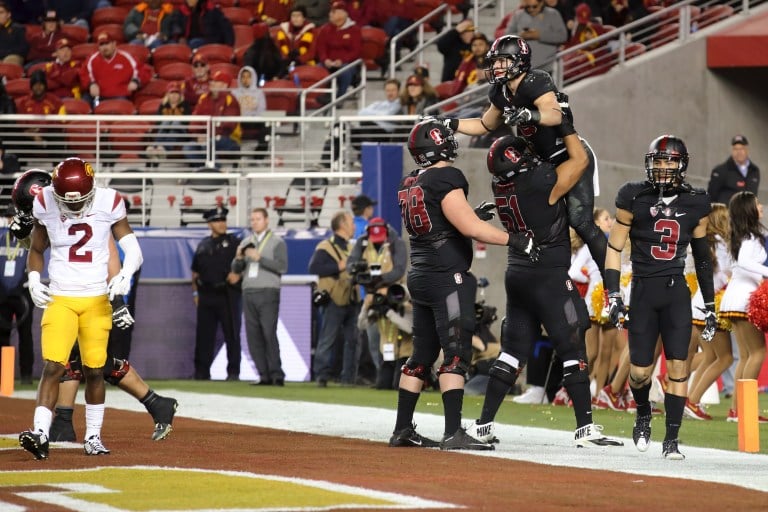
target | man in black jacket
[{"x": 735, "y": 174}]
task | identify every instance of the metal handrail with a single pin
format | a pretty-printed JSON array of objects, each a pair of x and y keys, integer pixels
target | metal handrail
[
  {"x": 334, "y": 100},
  {"x": 418, "y": 24}
]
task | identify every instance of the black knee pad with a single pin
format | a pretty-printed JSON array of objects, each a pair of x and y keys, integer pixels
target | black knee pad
[
  {"x": 415, "y": 369},
  {"x": 455, "y": 365},
  {"x": 114, "y": 372},
  {"x": 576, "y": 374},
  {"x": 505, "y": 372}
]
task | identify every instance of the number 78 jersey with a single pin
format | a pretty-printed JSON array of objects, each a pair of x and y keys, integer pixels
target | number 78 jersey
[
  {"x": 79, "y": 247},
  {"x": 660, "y": 233}
]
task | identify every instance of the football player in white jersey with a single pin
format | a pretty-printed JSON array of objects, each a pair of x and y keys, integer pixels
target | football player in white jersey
[{"x": 76, "y": 220}]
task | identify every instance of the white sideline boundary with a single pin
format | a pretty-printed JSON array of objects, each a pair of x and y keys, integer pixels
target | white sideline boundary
[{"x": 537, "y": 445}]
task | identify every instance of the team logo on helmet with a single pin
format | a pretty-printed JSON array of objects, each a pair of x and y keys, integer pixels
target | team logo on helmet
[
  {"x": 523, "y": 44},
  {"x": 512, "y": 155},
  {"x": 436, "y": 136}
]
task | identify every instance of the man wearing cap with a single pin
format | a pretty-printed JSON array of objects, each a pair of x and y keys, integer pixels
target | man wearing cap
[
  {"x": 109, "y": 72},
  {"x": 42, "y": 45},
  {"x": 339, "y": 42},
  {"x": 362, "y": 209},
  {"x": 455, "y": 45},
  {"x": 198, "y": 84},
  {"x": 216, "y": 292},
  {"x": 13, "y": 41},
  {"x": 63, "y": 73},
  {"x": 736, "y": 174},
  {"x": 261, "y": 260},
  {"x": 544, "y": 30},
  {"x": 218, "y": 102},
  {"x": 384, "y": 251}
]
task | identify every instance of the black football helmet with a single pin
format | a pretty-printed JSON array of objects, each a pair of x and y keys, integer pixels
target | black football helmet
[
  {"x": 26, "y": 188},
  {"x": 509, "y": 156},
  {"x": 73, "y": 186},
  {"x": 515, "y": 54},
  {"x": 430, "y": 142},
  {"x": 666, "y": 148}
]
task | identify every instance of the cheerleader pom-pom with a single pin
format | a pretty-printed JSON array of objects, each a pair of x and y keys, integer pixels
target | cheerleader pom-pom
[
  {"x": 598, "y": 302},
  {"x": 757, "y": 307}
]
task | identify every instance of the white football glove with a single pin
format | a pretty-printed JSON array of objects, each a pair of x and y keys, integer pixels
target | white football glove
[
  {"x": 119, "y": 285},
  {"x": 121, "y": 317},
  {"x": 41, "y": 294}
]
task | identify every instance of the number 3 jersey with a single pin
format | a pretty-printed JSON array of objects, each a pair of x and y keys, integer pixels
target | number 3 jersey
[
  {"x": 79, "y": 247},
  {"x": 436, "y": 245},
  {"x": 661, "y": 230}
]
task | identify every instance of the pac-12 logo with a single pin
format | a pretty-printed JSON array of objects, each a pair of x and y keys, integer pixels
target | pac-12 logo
[{"x": 436, "y": 136}]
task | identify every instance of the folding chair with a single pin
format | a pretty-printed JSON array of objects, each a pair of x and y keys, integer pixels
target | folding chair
[
  {"x": 303, "y": 201},
  {"x": 200, "y": 195}
]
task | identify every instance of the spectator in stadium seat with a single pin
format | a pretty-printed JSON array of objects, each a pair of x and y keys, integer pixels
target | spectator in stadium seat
[
  {"x": 417, "y": 96},
  {"x": 264, "y": 56},
  {"x": 167, "y": 132},
  {"x": 471, "y": 70},
  {"x": 543, "y": 29},
  {"x": 76, "y": 12},
  {"x": 455, "y": 46},
  {"x": 566, "y": 10},
  {"x": 63, "y": 74},
  {"x": 109, "y": 73},
  {"x": 296, "y": 38},
  {"x": 43, "y": 44},
  {"x": 273, "y": 12},
  {"x": 316, "y": 10},
  {"x": 218, "y": 102},
  {"x": 202, "y": 22},
  {"x": 150, "y": 24},
  {"x": 39, "y": 101},
  {"x": 339, "y": 42},
  {"x": 13, "y": 42},
  {"x": 253, "y": 103},
  {"x": 199, "y": 84}
]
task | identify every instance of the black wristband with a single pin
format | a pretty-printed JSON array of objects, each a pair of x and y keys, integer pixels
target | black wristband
[
  {"x": 612, "y": 280},
  {"x": 453, "y": 123}
]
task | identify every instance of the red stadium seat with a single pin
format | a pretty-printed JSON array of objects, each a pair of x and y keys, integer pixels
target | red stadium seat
[
  {"x": 216, "y": 53},
  {"x": 75, "y": 33},
  {"x": 309, "y": 75},
  {"x": 139, "y": 53},
  {"x": 34, "y": 67},
  {"x": 149, "y": 106},
  {"x": 238, "y": 15},
  {"x": 633, "y": 50},
  {"x": 227, "y": 67},
  {"x": 31, "y": 30},
  {"x": 243, "y": 35},
  {"x": 82, "y": 51},
  {"x": 115, "y": 107},
  {"x": 76, "y": 107},
  {"x": 155, "y": 88},
  {"x": 374, "y": 46},
  {"x": 665, "y": 34},
  {"x": 114, "y": 30},
  {"x": 107, "y": 15},
  {"x": 172, "y": 52},
  {"x": 714, "y": 14},
  {"x": 239, "y": 54},
  {"x": 444, "y": 90},
  {"x": 17, "y": 87},
  {"x": 11, "y": 71},
  {"x": 282, "y": 99},
  {"x": 176, "y": 71}
]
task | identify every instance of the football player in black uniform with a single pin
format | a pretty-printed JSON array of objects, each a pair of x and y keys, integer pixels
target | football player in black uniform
[
  {"x": 529, "y": 193},
  {"x": 661, "y": 216},
  {"x": 529, "y": 99},
  {"x": 441, "y": 225}
]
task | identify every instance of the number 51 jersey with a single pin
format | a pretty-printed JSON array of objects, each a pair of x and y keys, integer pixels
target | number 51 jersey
[
  {"x": 79, "y": 247},
  {"x": 661, "y": 232}
]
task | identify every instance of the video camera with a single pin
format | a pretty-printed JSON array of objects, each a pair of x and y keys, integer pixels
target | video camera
[
  {"x": 393, "y": 299},
  {"x": 368, "y": 276},
  {"x": 484, "y": 314}
]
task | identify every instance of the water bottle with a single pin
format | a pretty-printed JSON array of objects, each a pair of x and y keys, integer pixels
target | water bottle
[
  {"x": 296, "y": 80},
  {"x": 96, "y": 101},
  {"x": 262, "y": 80}
]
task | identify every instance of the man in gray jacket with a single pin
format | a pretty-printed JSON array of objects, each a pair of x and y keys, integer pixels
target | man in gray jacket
[{"x": 261, "y": 259}]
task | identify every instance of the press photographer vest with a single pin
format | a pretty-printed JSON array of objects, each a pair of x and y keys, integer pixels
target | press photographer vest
[
  {"x": 341, "y": 288},
  {"x": 383, "y": 256}
]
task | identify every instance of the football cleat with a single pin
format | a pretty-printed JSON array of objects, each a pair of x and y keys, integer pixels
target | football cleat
[
  {"x": 641, "y": 433},
  {"x": 35, "y": 443},
  {"x": 591, "y": 435},
  {"x": 482, "y": 432},
  {"x": 562, "y": 398},
  {"x": 409, "y": 438},
  {"x": 460, "y": 440},
  {"x": 670, "y": 451},
  {"x": 629, "y": 401},
  {"x": 94, "y": 446},
  {"x": 606, "y": 399},
  {"x": 695, "y": 411}
]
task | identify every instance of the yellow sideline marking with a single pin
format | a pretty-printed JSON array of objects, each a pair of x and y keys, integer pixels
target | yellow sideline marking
[{"x": 140, "y": 488}]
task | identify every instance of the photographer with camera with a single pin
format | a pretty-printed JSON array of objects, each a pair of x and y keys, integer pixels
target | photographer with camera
[
  {"x": 261, "y": 260},
  {"x": 339, "y": 309},
  {"x": 377, "y": 261}
]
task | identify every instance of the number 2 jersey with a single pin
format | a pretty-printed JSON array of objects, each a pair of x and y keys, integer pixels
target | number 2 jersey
[
  {"x": 79, "y": 247},
  {"x": 545, "y": 139},
  {"x": 523, "y": 206},
  {"x": 661, "y": 231},
  {"x": 436, "y": 245}
]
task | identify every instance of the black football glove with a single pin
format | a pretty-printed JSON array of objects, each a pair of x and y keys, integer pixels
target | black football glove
[
  {"x": 710, "y": 322},
  {"x": 449, "y": 122},
  {"x": 485, "y": 210},
  {"x": 617, "y": 311},
  {"x": 523, "y": 244},
  {"x": 121, "y": 316},
  {"x": 515, "y": 116},
  {"x": 21, "y": 226}
]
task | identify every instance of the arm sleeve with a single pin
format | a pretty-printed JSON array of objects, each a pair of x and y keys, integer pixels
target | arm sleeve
[
  {"x": 133, "y": 257},
  {"x": 703, "y": 263}
]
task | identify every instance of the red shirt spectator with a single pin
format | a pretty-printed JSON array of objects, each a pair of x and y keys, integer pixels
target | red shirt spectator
[
  {"x": 296, "y": 38},
  {"x": 340, "y": 40},
  {"x": 43, "y": 44},
  {"x": 218, "y": 102},
  {"x": 273, "y": 12},
  {"x": 199, "y": 84},
  {"x": 110, "y": 73},
  {"x": 63, "y": 74},
  {"x": 39, "y": 101},
  {"x": 471, "y": 69}
]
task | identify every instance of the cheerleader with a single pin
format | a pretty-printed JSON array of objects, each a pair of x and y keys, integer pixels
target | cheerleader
[{"x": 748, "y": 251}]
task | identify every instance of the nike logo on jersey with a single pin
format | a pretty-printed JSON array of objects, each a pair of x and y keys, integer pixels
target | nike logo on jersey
[{"x": 679, "y": 214}]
